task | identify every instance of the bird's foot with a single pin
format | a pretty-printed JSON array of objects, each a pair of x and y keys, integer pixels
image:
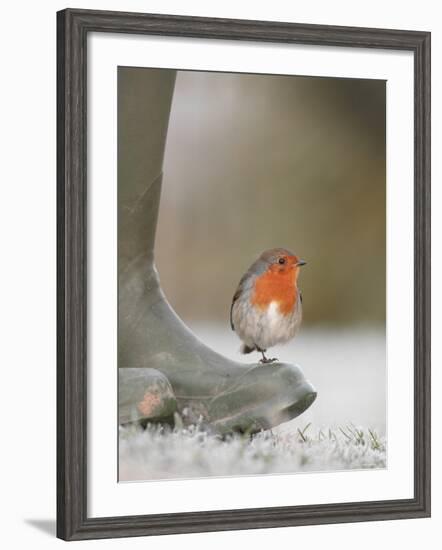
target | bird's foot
[{"x": 266, "y": 360}]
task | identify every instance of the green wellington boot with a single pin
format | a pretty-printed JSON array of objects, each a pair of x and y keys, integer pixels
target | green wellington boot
[{"x": 164, "y": 370}]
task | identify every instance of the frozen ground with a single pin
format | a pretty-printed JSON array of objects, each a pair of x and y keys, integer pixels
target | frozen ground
[
  {"x": 343, "y": 429},
  {"x": 159, "y": 454}
]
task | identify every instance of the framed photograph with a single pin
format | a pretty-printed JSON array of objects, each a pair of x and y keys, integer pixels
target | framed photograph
[{"x": 243, "y": 274}]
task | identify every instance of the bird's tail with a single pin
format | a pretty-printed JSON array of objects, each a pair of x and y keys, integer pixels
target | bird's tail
[{"x": 246, "y": 349}]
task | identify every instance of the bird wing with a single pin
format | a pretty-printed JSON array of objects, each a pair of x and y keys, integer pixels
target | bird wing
[
  {"x": 245, "y": 285},
  {"x": 235, "y": 297}
]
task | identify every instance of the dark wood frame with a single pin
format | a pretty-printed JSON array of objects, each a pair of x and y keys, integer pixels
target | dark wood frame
[{"x": 73, "y": 27}]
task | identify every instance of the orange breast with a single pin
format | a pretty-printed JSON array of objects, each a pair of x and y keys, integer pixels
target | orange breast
[{"x": 276, "y": 286}]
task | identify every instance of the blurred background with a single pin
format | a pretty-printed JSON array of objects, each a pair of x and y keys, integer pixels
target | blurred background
[
  {"x": 260, "y": 161},
  {"x": 257, "y": 161}
]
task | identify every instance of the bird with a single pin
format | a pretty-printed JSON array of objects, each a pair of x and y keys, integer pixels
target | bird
[{"x": 267, "y": 306}]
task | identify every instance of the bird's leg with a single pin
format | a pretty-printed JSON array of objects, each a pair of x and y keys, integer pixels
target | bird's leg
[{"x": 265, "y": 359}]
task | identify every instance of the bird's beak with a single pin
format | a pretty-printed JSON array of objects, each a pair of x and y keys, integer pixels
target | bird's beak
[{"x": 300, "y": 263}]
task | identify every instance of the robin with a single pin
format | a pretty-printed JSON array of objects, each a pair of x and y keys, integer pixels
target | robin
[{"x": 267, "y": 305}]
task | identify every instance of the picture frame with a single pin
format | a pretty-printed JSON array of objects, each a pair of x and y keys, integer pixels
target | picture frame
[{"x": 73, "y": 28}]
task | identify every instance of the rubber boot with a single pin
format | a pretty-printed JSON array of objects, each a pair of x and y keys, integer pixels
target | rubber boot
[{"x": 224, "y": 395}]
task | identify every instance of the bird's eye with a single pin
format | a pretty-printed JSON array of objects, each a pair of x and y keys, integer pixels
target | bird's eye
[{"x": 281, "y": 261}]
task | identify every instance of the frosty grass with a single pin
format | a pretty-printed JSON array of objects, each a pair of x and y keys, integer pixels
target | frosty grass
[{"x": 161, "y": 453}]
